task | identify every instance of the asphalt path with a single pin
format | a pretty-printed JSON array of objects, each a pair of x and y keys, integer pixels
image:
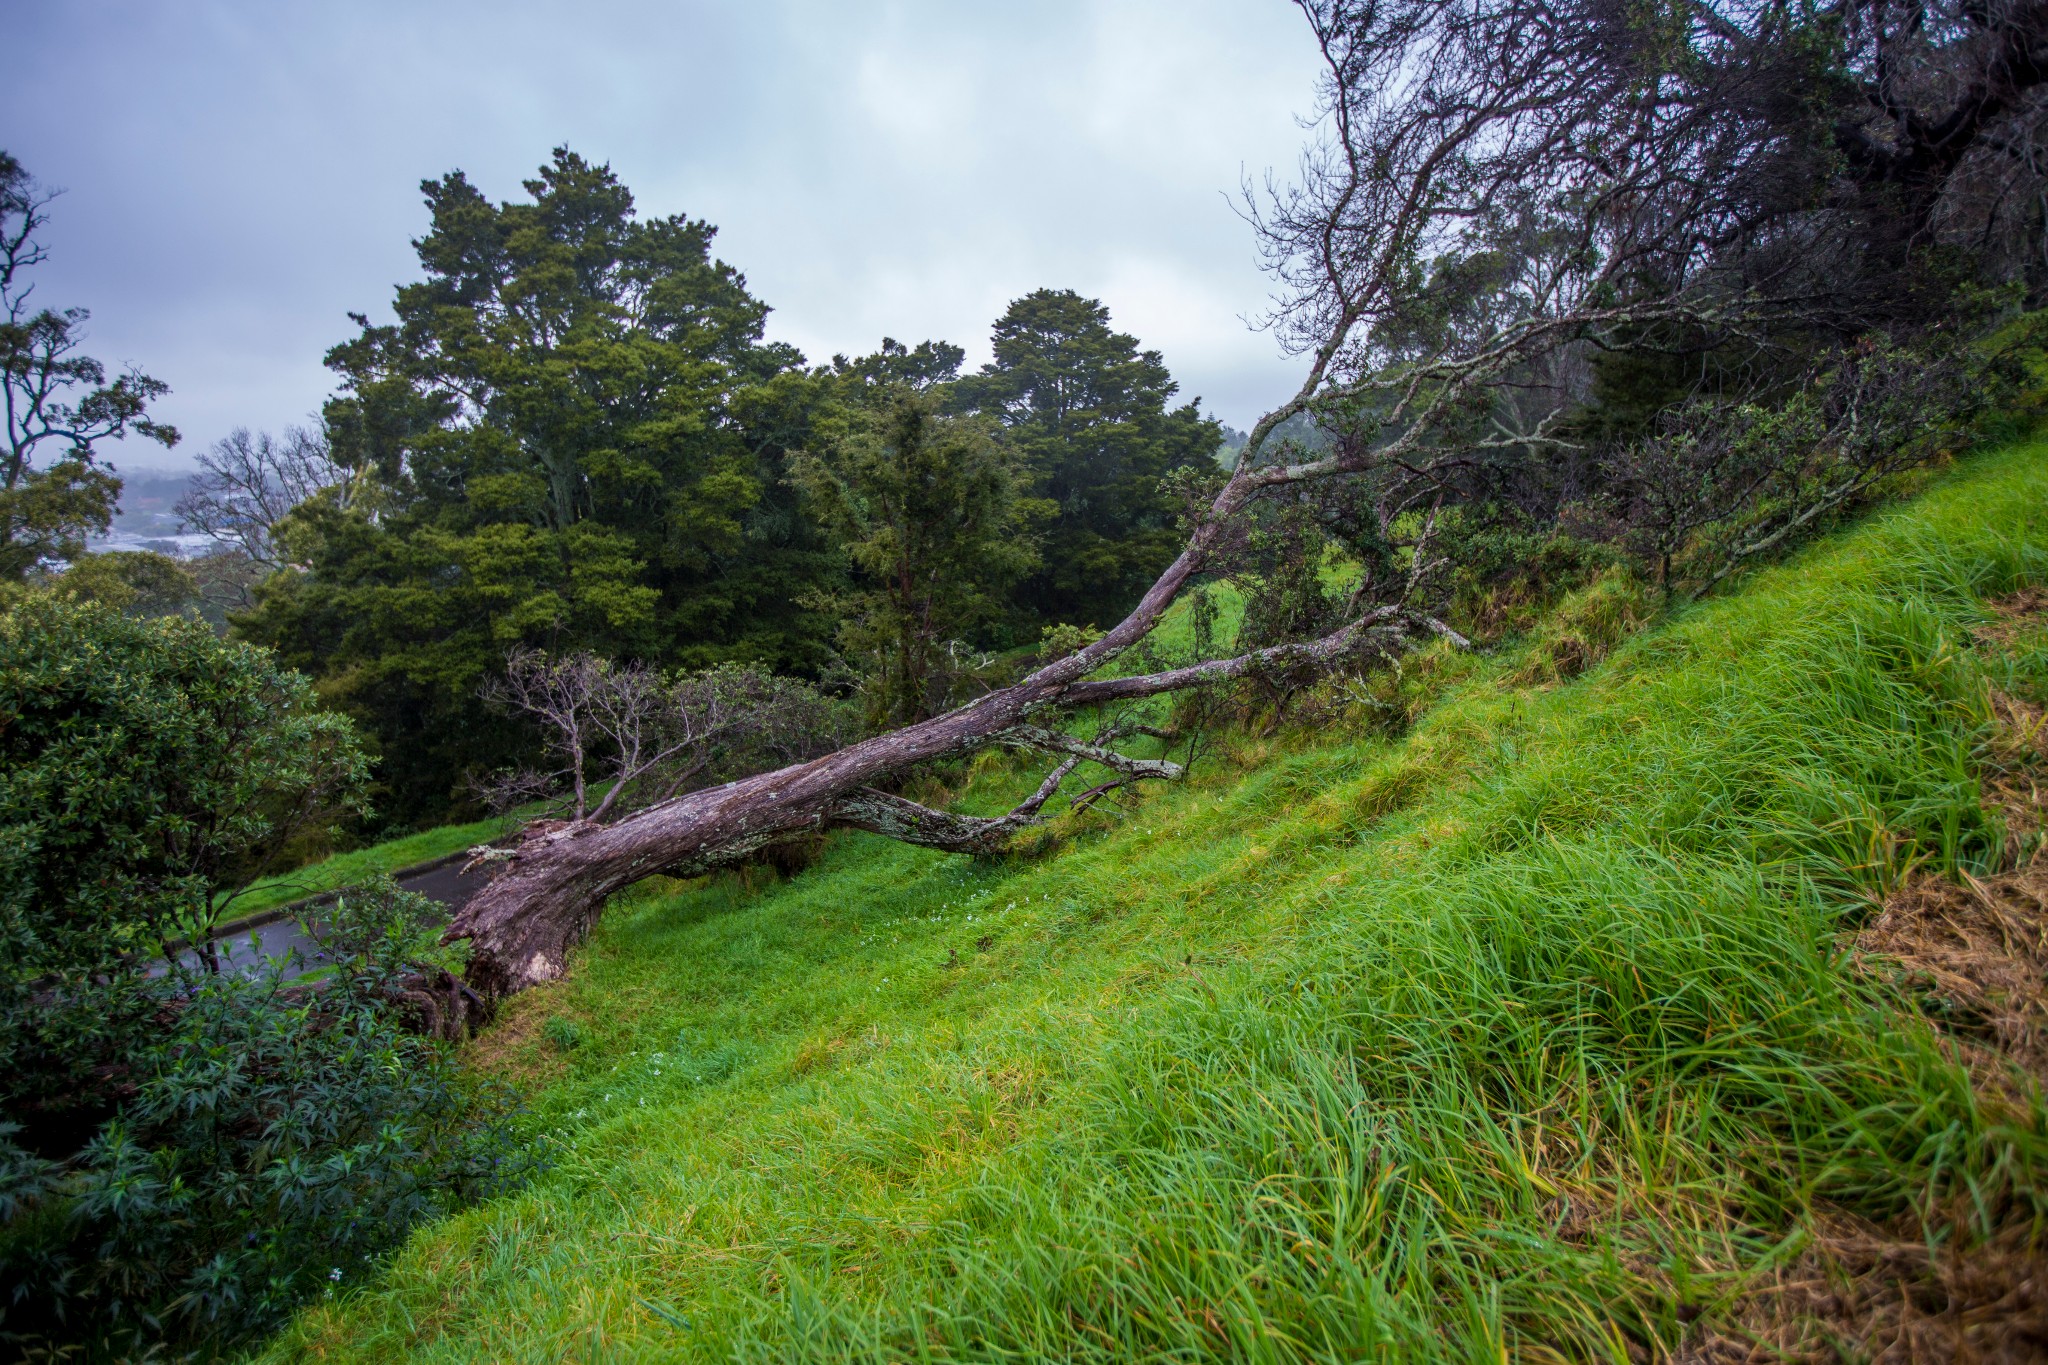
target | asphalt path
[
  {"x": 247, "y": 950},
  {"x": 447, "y": 883}
]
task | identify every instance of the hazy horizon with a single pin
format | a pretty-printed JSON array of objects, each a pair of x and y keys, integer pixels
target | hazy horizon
[{"x": 239, "y": 177}]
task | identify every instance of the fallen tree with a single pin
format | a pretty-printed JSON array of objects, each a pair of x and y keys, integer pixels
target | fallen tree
[
  {"x": 1502, "y": 190},
  {"x": 552, "y": 885}
]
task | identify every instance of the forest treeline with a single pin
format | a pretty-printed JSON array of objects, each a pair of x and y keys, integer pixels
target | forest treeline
[{"x": 575, "y": 437}]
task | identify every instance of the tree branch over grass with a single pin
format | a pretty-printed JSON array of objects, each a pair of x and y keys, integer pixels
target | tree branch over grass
[
  {"x": 1497, "y": 192},
  {"x": 550, "y": 890},
  {"x": 906, "y": 821}
]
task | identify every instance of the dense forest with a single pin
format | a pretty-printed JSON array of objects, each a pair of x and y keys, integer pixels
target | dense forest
[
  {"x": 574, "y": 438},
  {"x": 1601, "y": 312}
]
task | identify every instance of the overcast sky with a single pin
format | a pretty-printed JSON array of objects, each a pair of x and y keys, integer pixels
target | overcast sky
[{"x": 240, "y": 174}]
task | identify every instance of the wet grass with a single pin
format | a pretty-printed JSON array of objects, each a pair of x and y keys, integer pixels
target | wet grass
[{"x": 1526, "y": 1033}]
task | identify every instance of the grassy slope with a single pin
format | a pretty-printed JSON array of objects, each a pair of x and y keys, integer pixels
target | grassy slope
[{"x": 1526, "y": 1030}]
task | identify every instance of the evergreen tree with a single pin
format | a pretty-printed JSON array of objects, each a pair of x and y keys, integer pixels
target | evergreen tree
[
  {"x": 931, "y": 512},
  {"x": 573, "y": 436},
  {"x": 1087, "y": 411},
  {"x": 928, "y": 364}
]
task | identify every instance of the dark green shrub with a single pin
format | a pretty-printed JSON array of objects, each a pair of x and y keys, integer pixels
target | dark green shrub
[
  {"x": 276, "y": 1139},
  {"x": 185, "y": 1156},
  {"x": 145, "y": 767}
]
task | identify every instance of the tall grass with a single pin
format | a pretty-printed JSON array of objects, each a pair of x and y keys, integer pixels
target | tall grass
[{"x": 1527, "y": 1033}]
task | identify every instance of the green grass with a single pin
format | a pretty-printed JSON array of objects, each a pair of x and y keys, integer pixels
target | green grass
[
  {"x": 1527, "y": 1033},
  {"x": 343, "y": 869}
]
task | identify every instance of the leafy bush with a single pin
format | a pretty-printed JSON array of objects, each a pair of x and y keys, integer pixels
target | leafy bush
[
  {"x": 277, "y": 1138},
  {"x": 1720, "y": 482},
  {"x": 185, "y": 1156},
  {"x": 137, "y": 582},
  {"x": 145, "y": 766}
]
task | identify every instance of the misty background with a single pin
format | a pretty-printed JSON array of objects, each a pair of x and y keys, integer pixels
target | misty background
[{"x": 237, "y": 177}]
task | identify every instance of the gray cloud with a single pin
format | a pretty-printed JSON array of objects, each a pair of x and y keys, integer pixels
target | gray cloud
[{"x": 239, "y": 176}]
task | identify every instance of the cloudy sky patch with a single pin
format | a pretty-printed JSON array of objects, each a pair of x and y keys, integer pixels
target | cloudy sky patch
[{"x": 239, "y": 176}]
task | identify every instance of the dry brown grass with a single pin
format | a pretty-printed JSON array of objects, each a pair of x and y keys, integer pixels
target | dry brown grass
[
  {"x": 2014, "y": 615},
  {"x": 1864, "y": 1293},
  {"x": 1974, "y": 958},
  {"x": 1975, "y": 955},
  {"x": 2016, "y": 759},
  {"x": 512, "y": 1049}
]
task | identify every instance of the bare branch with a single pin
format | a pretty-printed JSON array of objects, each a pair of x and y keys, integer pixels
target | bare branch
[
  {"x": 1053, "y": 741},
  {"x": 908, "y": 822},
  {"x": 247, "y": 484}
]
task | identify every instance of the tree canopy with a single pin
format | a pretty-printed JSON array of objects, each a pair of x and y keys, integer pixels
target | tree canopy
[
  {"x": 572, "y": 434},
  {"x": 931, "y": 510},
  {"x": 1088, "y": 413}
]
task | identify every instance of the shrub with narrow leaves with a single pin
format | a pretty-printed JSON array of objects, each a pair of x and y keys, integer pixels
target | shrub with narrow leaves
[{"x": 278, "y": 1138}]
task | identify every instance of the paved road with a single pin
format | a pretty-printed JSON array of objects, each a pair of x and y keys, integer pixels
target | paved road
[{"x": 448, "y": 884}]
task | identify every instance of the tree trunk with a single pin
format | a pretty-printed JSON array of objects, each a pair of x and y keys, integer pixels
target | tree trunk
[{"x": 522, "y": 925}]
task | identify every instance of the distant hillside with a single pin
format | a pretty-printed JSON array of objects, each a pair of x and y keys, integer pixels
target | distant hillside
[{"x": 146, "y": 520}]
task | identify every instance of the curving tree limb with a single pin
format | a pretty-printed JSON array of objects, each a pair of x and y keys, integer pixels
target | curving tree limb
[{"x": 1576, "y": 181}]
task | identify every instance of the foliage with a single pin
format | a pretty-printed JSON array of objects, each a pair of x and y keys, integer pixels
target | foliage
[
  {"x": 146, "y": 767},
  {"x": 1526, "y": 1032},
  {"x": 923, "y": 367},
  {"x": 56, "y": 397},
  {"x": 572, "y": 436},
  {"x": 1522, "y": 237},
  {"x": 145, "y": 583},
  {"x": 1726, "y": 481},
  {"x": 137, "y": 582},
  {"x": 647, "y": 736},
  {"x": 1284, "y": 564},
  {"x": 226, "y": 579},
  {"x": 1058, "y": 641},
  {"x": 1087, "y": 414},
  {"x": 932, "y": 511},
  {"x": 274, "y": 1141}
]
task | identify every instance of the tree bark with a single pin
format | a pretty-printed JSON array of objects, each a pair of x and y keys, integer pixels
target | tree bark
[{"x": 523, "y": 923}]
